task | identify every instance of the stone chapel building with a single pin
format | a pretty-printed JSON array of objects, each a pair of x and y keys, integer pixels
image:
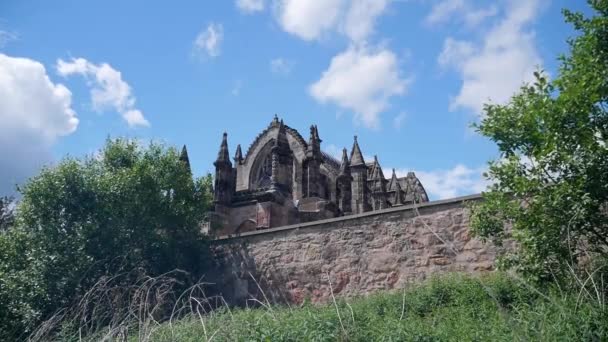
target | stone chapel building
[{"x": 283, "y": 180}]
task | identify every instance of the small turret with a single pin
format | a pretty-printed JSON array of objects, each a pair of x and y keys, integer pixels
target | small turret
[
  {"x": 378, "y": 186},
  {"x": 224, "y": 177},
  {"x": 344, "y": 194},
  {"x": 345, "y": 164},
  {"x": 312, "y": 165},
  {"x": 356, "y": 157},
  {"x": 393, "y": 182},
  {"x": 359, "y": 187},
  {"x": 223, "y": 156}
]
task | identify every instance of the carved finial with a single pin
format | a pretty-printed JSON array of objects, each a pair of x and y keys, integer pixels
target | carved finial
[
  {"x": 238, "y": 156},
  {"x": 345, "y": 165},
  {"x": 281, "y": 137}
]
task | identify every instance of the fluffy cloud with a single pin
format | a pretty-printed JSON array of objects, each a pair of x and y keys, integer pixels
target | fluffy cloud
[
  {"x": 34, "y": 112},
  {"x": 458, "y": 181},
  {"x": 250, "y": 6},
  {"x": 361, "y": 17},
  {"x": 208, "y": 41},
  {"x": 108, "y": 89},
  {"x": 496, "y": 67},
  {"x": 446, "y": 10},
  {"x": 347, "y": 83},
  {"x": 310, "y": 20},
  {"x": 281, "y": 66}
]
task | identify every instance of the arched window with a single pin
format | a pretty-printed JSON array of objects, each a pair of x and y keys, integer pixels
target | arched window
[{"x": 264, "y": 173}]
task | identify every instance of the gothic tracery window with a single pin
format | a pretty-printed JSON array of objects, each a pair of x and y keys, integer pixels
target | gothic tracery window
[{"x": 265, "y": 172}]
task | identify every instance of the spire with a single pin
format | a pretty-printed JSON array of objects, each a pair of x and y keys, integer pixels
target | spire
[
  {"x": 222, "y": 156},
  {"x": 393, "y": 183},
  {"x": 378, "y": 177},
  {"x": 183, "y": 156},
  {"x": 377, "y": 173},
  {"x": 345, "y": 165},
  {"x": 238, "y": 156},
  {"x": 356, "y": 157}
]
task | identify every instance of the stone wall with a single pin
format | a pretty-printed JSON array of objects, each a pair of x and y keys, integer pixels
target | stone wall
[{"x": 350, "y": 255}]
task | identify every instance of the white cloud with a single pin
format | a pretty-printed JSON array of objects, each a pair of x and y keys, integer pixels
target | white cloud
[
  {"x": 443, "y": 10},
  {"x": 108, "y": 89},
  {"x": 208, "y": 41},
  {"x": 458, "y": 181},
  {"x": 398, "y": 120},
  {"x": 281, "y": 66},
  {"x": 34, "y": 112},
  {"x": 311, "y": 20},
  {"x": 460, "y": 11},
  {"x": 306, "y": 19},
  {"x": 250, "y": 6},
  {"x": 494, "y": 69},
  {"x": 361, "y": 17},
  {"x": 348, "y": 83},
  {"x": 455, "y": 52}
]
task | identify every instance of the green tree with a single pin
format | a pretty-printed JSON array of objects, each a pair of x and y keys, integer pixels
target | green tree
[
  {"x": 550, "y": 186},
  {"x": 127, "y": 208}
]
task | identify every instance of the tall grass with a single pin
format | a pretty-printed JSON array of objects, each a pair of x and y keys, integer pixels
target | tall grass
[
  {"x": 454, "y": 308},
  {"x": 496, "y": 307}
]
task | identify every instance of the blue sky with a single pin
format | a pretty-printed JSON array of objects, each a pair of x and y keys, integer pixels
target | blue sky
[{"x": 407, "y": 77}]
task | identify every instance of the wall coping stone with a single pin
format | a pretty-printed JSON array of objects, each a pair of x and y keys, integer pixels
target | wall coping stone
[{"x": 437, "y": 203}]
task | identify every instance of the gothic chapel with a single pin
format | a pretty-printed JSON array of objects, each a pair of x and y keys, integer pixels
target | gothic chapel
[{"x": 283, "y": 180}]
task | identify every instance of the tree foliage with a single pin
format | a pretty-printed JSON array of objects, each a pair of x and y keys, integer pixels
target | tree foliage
[
  {"x": 127, "y": 208},
  {"x": 550, "y": 186},
  {"x": 7, "y": 212}
]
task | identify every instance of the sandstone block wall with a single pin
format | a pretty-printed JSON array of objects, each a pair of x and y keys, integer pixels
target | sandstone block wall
[{"x": 351, "y": 255}]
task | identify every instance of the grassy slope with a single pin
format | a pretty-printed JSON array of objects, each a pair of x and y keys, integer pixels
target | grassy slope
[{"x": 494, "y": 308}]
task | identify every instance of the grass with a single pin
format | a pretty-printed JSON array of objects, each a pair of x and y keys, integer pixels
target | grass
[{"x": 454, "y": 308}]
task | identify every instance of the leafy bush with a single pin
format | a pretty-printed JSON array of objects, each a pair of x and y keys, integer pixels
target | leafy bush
[
  {"x": 127, "y": 208},
  {"x": 550, "y": 187}
]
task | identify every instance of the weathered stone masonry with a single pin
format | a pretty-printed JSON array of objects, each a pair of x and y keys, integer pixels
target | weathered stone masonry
[{"x": 359, "y": 254}]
